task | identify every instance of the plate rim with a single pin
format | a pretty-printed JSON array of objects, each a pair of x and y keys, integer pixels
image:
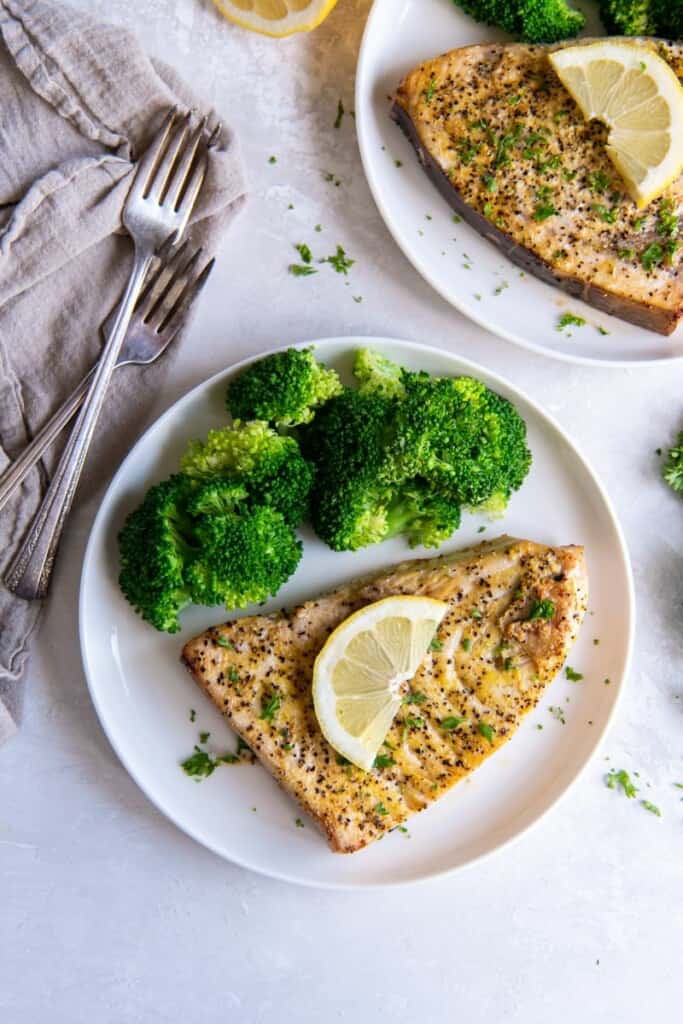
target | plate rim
[
  {"x": 360, "y": 98},
  {"x": 598, "y": 736}
]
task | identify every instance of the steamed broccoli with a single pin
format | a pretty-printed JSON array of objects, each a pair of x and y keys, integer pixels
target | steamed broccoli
[
  {"x": 534, "y": 21},
  {"x": 156, "y": 543},
  {"x": 269, "y": 466},
  {"x": 285, "y": 389},
  {"x": 628, "y": 17},
  {"x": 663, "y": 18},
  {"x": 202, "y": 542},
  {"x": 407, "y": 464},
  {"x": 242, "y": 557},
  {"x": 673, "y": 467}
]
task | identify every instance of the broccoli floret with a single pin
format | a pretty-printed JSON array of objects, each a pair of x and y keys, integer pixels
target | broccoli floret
[
  {"x": 155, "y": 544},
  {"x": 673, "y": 467},
  {"x": 534, "y": 21},
  {"x": 378, "y": 375},
  {"x": 346, "y": 444},
  {"x": 668, "y": 19},
  {"x": 408, "y": 464},
  {"x": 467, "y": 440},
  {"x": 286, "y": 389},
  {"x": 628, "y": 17},
  {"x": 549, "y": 21},
  {"x": 242, "y": 557},
  {"x": 269, "y": 466}
]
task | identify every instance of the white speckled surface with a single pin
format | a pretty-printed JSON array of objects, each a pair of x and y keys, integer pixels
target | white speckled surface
[{"x": 108, "y": 914}]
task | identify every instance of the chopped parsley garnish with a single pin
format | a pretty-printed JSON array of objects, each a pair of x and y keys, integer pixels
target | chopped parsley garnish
[
  {"x": 598, "y": 181},
  {"x": 602, "y": 330},
  {"x": 223, "y": 641},
  {"x": 332, "y": 178},
  {"x": 413, "y": 723},
  {"x": 340, "y": 261},
  {"x": 270, "y": 707},
  {"x": 467, "y": 150},
  {"x": 451, "y": 722},
  {"x": 572, "y": 675},
  {"x": 357, "y": 298},
  {"x": 621, "y": 780},
  {"x": 193, "y": 715},
  {"x": 605, "y": 214},
  {"x": 436, "y": 644},
  {"x": 457, "y": 219},
  {"x": 272, "y": 159},
  {"x": 340, "y": 114},
  {"x": 430, "y": 90},
  {"x": 652, "y": 808},
  {"x": 383, "y": 761},
  {"x": 199, "y": 765},
  {"x": 466, "y": 644},
  {"x": 299, "y": 823},
  {"x": 340, "y": 759},
  {"x": 415, "y": 698},
  {"x": 501, "y": 288},
  {"x": 381, "y": 809},
  {"x": 504, "y": 144},
  {"x": 543, "y": 211},
  {"x": 558, "y": 714},
  {"x": 204, "y": 737},
  {"x": 476, "y": 614},
  {"x": 485, "y": 730},
  {"x": 508, "y": 665},
  {"x": 242, "y": 746},
  {"x": 299, "y": 270},
  {"x": 560, "y": 254},
  {"x": 570, "y": 320},
  {"x": 652, "y": 256},
  {"x": 544, "y": 609},
  {"x": 626, "y": 254},
  {"x": 305, "y": 252},
  {"x": 398, "y": 163},
  {"x": 233, "y": 674},
  {"x": 490, "y": 183},
  {"x": 639, "y": 223},
  {"x": 318, "y": 228},
  {"x": 569, "y": 175}
]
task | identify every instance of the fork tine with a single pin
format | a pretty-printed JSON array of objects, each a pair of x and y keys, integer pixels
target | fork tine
[
  {"x": 181, "y": 172},
  {"x": 163, "y": 304},
  {"x": 157, "y": 184},
  {"x": 150, "y": 158},
  {"x": 177, "y": 316},
  {"x": 154, "y": 291},
  {"x": 186, "y": 204}
]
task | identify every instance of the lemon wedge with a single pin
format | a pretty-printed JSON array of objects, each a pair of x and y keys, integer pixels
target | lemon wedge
[
  {"x": 635, "y": 93},
  {"x": 360, "y": 674},
  {"x": 276, "y": 17}
]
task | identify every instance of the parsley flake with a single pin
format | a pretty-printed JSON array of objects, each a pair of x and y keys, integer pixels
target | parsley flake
[
  {"x": 652, "y": 808},
  {"x": 544, "y": 609},
  {"x": 415, "y": 698},
  {"x": 299, "y": 270},
  {"x": 381, "y": 809},
  {"x": 270, "y": 707},
  {"x": 305, "y": 252},
  {"x": 223, "y": 641},
  {"x": 451, "y": 722},
  {"x": 340, "y": 114},
  {"x": 436, "y": 644},
  {"x": 572, "y": 675},
  {"x": 383, "y": 761},
  {"x": 340, "y": 261},
  {"x": 485, "y": 730},
  {"x": 621, "y": 780}
]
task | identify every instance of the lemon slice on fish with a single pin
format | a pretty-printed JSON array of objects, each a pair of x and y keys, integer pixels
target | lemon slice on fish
[
  {"x": 633, "y": 91},
  {"x": 360, "y": 675},
  {"x": 276, "y": 17}
]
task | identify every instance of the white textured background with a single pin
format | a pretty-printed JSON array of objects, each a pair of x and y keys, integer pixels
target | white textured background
[{"x": 108, "y": 914}]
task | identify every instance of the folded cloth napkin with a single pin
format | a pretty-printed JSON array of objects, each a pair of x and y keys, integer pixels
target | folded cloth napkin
[{"x": 79, "y": 102}]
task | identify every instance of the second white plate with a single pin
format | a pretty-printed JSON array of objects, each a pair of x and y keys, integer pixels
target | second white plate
[
  {"x": 143, "y": 695},
  {"x": 469, "y": 272}
]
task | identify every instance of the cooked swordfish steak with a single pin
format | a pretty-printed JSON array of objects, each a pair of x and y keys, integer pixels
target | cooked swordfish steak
[
  {"x": 506, "y": 145},
  {"x": 493, "y": 662}
]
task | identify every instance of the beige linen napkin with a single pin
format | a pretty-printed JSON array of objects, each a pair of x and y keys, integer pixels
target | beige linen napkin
[{"x": 79, "y": 101}]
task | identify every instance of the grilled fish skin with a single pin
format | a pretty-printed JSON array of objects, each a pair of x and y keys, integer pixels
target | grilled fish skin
[
  {"x": 490, "y": 682},
  {"x": 504, "y": 142}
]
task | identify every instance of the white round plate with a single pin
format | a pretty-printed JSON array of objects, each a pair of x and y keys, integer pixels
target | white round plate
[
  {"x": 454, "y": 258},
  {"x": 143, "y": 695}
]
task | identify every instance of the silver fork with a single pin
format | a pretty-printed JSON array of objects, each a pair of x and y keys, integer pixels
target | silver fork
[
  {"x": 162, "y": 195},
  {"x": 163, "y": 307}
]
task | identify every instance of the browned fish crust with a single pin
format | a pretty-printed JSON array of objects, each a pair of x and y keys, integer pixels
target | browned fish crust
[
  {"x": 491, "y": 668},
  {"x": 577, "y": 250}
]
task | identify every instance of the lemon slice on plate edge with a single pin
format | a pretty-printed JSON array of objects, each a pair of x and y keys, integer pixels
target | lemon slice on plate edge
[
  {"x": 276, "y": 18},
  {"x": 633, "y": 91},
  {"x": 360, "y": 674}
]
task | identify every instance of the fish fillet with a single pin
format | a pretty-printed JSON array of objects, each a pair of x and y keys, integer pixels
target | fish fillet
[
  {"x": 504, "y": 142},
  {"x": 491, "y": 668}
]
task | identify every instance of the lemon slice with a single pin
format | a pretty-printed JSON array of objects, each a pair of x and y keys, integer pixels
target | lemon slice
[
  {"x": 358, "y": 675},
  {"x": 276, "y": 17},
  {"x": 636, "y": 94}
]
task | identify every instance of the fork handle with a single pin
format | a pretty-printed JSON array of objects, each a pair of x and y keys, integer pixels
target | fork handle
[
  {"x": 17, "y": 472},
  {"x": 28, "y": 575}
]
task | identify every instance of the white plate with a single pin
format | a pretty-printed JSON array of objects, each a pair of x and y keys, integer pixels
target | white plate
[
  {"x": 143, "y": 695},
  {"x": 398, "y": 36}
]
